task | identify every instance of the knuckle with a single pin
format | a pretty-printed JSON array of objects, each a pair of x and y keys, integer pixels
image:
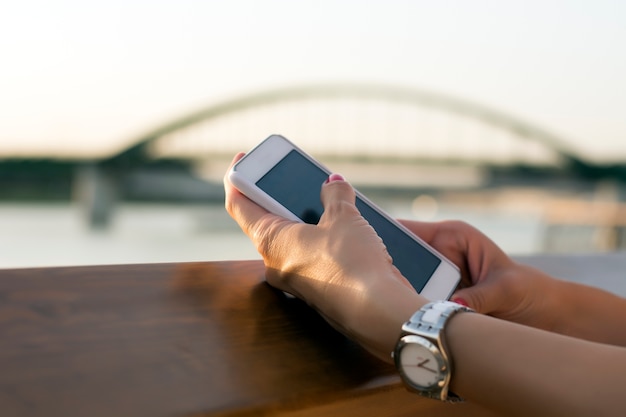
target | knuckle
[
  {"x": 341, "y": 208},
  {"x": 456, "y": 226}
]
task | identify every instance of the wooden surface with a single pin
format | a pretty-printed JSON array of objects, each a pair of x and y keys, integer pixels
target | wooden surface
[{"x": 181, "y": 340}]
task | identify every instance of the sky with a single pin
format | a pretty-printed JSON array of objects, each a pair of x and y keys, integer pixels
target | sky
[{"x": 81, "y": 78}]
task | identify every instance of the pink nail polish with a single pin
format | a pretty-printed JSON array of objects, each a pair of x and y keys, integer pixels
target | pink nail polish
[
  {"x": 335, "y": 177},
  {"x": 461, "y": 302}
]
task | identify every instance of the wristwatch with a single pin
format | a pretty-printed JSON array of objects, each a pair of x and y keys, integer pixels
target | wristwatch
[{"x": 421, "y": 356}]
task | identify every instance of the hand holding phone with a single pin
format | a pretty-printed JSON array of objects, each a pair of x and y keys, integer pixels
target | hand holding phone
[{"x": 283, "y": 179}]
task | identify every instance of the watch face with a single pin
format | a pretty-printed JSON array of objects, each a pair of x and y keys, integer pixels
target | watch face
[{"x": 421, "y": 363}]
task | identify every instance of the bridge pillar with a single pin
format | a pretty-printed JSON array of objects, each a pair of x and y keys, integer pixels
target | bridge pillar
[{"x": 96, "y": 191}]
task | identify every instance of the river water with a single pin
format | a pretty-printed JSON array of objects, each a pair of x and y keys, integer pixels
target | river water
[{"x": 33, "y": 235}]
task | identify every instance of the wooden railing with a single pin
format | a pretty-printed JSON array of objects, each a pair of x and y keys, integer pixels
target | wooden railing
[{"x": 190, "y": 339}]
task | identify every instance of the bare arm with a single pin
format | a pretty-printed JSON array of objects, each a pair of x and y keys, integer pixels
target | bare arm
[
  {"x": 515, "y": 369},
  {"x": 519, "y": 370},
  {"x": 590, "y": 313},
  {"x": 498, "y": 286}
]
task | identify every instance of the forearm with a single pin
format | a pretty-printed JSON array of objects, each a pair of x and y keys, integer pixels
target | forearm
[
  {"x": 590, "y": 313},
  {"x": 519, "y": 370}
]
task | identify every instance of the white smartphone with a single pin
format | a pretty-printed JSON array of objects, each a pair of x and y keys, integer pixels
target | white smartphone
[{"x": 283, "y": 179}]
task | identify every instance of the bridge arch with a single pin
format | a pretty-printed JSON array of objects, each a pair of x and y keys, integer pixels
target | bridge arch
[{"x": 362, "y": 122}]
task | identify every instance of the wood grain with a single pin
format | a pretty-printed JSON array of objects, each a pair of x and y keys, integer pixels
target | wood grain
[{"x": 189, "y": 339}]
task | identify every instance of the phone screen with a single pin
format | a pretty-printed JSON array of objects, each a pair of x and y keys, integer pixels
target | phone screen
[{"x": 295, "y": 182}]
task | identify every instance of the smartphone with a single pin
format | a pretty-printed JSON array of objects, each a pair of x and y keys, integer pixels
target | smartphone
[{"x": 283, "y": 179}]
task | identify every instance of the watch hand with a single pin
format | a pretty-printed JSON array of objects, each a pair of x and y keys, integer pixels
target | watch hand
[
  {"x": 434, "y": 371},
  {"x": 424, "y": 362}
]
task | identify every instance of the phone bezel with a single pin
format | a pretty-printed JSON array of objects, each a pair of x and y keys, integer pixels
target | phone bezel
[{"x": 263, "y": 157}]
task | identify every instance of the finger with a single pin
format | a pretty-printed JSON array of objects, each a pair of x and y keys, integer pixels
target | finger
[
  {"x": 484, "y": 297},
  {"x": 425, "y": 230},
  {"x": 243, "y": 210},
  {"x": 448, "y": 238},
  {"x": 338, "y": 198},
  {"x": 467, "y": 247}
]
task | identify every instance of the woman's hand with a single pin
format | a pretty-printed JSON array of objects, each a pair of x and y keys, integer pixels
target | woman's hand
[
  {"x": 492, "y": 283},
  {"x": 340, "y": 266}
]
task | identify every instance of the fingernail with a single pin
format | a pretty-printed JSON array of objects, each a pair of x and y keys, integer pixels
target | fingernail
[
  {"x": 334, "y": 177},
  {"x": 460, "y": 301}
]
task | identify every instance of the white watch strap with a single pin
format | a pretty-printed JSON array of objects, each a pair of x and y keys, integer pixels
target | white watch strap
[{"x": 431, "y": 318}]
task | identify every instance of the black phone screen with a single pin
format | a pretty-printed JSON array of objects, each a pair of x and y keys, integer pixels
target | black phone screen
[{"x": 295, "y": 183}]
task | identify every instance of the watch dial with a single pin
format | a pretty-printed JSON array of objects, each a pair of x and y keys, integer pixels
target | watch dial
[{"x": 420, "y": 365}]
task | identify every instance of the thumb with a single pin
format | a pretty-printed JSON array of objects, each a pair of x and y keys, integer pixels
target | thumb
[
  {"x": 484, "y": 297},
  {"x": 336, "y": 192}
]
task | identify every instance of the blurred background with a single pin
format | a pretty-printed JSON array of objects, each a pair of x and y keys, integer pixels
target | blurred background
[{"x": 118, "y": 119}]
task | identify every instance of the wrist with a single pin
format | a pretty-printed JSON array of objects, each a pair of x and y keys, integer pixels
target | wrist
[
  {"x": 422, "y": 356},
  {"x": 588, "y": 312},
  {"x": 541, "y": 300},
  {"x": 393, "y": 304},
  {"x": 562, "y": 305}
]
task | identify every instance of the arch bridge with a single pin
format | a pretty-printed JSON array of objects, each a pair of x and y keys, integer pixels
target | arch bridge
[
  {"x": 358, "y": 122},
  {"x": 373, "y": 129}
]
